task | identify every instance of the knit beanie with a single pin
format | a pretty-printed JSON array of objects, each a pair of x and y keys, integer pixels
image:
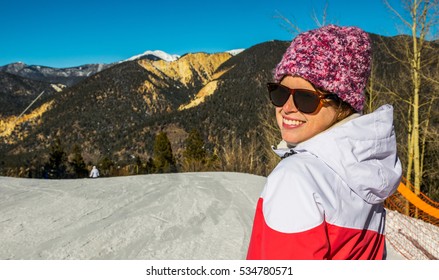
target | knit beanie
[{"x": 333, "y": 58}]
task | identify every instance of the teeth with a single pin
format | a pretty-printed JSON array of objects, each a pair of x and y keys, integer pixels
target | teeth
[{"x": 292, "y": 122}]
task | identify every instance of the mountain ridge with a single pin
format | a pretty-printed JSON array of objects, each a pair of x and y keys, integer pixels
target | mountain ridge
[{"x": 69, "y": 76}]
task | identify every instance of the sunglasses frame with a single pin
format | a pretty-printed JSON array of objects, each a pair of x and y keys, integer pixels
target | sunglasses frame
[{"x": 322, "y": 96}]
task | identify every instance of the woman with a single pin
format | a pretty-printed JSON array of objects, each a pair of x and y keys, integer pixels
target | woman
[{"x": 324, "y": 200}]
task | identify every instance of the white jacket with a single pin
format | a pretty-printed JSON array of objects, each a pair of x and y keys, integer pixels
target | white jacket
[
  {"x": 94, "y": 172},
  {"x": 325, "y": 200}
]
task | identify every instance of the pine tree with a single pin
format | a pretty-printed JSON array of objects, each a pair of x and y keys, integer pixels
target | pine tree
[
  {"x": 78, "y": 163},
  {"x": 195, "y": 154},
  {"x": 164, "y": 161},
  {"x": 106, "y": 165},
  {"x": 149, "y": 166},
  {"x": 139, "y": 166},
  {"x": 56, "y": 167}
]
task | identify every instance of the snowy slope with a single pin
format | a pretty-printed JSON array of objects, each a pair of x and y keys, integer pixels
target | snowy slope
[
  {"x": 175, "y": 216},
  {"x": 169, "y": 216}
]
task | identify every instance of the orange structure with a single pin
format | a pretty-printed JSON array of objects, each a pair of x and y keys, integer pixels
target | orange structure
[{"x": 421, "y": 207}]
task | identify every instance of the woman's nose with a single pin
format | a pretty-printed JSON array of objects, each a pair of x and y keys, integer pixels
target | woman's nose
[{"x": 289, "y": 106}]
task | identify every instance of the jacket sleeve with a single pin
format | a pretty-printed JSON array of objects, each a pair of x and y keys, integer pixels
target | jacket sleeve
[{"x": 289, "y": 221}]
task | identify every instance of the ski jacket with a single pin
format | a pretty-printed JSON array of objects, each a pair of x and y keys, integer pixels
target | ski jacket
[
  {"x": 324, "y": 200},
  {"x": 94, "y": 173}
]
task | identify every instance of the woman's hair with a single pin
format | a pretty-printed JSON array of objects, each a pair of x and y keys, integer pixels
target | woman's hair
[{"x": 342, "y": 108}]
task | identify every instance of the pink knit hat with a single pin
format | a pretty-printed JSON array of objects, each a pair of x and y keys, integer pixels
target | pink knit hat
[{"x": 333, "y": 58}]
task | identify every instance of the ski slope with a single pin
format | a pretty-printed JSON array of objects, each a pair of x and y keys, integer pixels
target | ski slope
[{"x": 191, "y": 216}]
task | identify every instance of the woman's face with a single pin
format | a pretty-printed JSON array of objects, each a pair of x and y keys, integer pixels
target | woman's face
[{"x": 297, "y": 127}]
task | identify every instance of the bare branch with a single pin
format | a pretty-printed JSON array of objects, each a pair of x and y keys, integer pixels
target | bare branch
[
  {"x": 424, "y": 136},
  {"x": 394, "y": 94},
  {"x": 391, "y": 53},
  {"x": 397, "y": 14},
  {"x": 291, "y": 26},
  {"x": 430, "y": 79},
  {"x": 324, "y": 16}
]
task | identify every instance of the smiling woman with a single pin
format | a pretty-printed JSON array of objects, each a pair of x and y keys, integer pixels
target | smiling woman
[{"x": 324, "y": 200}]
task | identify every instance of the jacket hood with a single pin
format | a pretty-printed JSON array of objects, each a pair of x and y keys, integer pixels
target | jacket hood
[{"x": 362, "y": 151}]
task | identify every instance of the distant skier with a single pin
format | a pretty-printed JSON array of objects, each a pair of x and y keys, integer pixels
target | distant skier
[{"x": 94, "y": 172}]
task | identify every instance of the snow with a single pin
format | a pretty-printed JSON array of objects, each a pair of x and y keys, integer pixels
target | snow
[
  {"x": 160, "y": 54},
  {"x": 172, "y": 216},
  {"x": 191, "y": 216},
  {"x": 235, "y": 52},
  {"x": 171, "y": 57}
]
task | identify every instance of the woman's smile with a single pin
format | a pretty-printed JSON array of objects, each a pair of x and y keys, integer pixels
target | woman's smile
[{"x": 290, "y": 123}]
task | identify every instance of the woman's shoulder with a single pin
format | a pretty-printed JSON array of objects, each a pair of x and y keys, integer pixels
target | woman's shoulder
[
  {"x": 304, "y": 163},
  {"x": 302, "y": 188},
  {"x": 303, "y": 173}
]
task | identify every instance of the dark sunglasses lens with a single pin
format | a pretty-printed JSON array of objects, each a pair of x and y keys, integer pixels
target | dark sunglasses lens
[
  {"x": 278, "y": 94},
  {"x": 306, "y": 101}
]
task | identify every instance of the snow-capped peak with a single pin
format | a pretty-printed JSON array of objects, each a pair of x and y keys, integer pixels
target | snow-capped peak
[
  {"x": 160, "y": 54},
  {"x": 235, "y": 51}
]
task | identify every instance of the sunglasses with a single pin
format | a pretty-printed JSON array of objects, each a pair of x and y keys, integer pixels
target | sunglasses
[{"x": 305, "y": 100}]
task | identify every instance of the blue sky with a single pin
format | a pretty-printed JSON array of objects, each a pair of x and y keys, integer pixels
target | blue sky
[{"x": 69, "y": 33}]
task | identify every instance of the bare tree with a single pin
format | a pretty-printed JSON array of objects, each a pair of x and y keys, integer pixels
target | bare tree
[
  {"x": 421, "y": 21},
  {"x": 372, "y": 90}
]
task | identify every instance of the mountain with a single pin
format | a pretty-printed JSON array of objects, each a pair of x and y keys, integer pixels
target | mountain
[
  {"x": 235, "y": 51},
  {"x": 112, "y": 106},
  {"x": 66, "y": 76},
  {"x": 161, "y": 55},
  {"x": 72, "y": 75},
  {"x": 16, "y": 94},
  {"x": 155, "y": 55}
]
